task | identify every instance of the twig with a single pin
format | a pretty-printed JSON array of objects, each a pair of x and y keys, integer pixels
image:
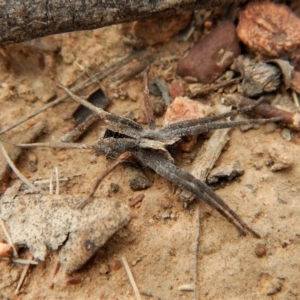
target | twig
[
  {"x": 15, "y": 153},
  {"x": 8, "y": 239},
  {"x": 266, "y": 110},
  {"x": 206, "y": 159},
  {"x": 21, "y": 261},
  {"x": 163, "y": 88},
  {"x": 147, "y": 104},
  {"x": 51, "y": 184},
  {"x": 98, "y": 76},
  {"x": 56, "y": 181},
  {"x": 295, "y": 98},
  {"x": 57, "y": 145},
  {"x": 22, "y": 278},
  {"x": 197, "y": 243},
  {"x": 136, "y": 200},
  {"x": 46, "y": 181},
  {"x": 136, "y": 67},
  {"x": 131, "y": 279},
  {"x": 207, "y": 89},
  {"x": 79, "y": 130},
  {"x": 17, "y": 172},
  {"x": 186, "y": 287}
]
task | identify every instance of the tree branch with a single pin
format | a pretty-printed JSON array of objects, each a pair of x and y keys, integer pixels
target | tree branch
[{"x": 22, "y": 20}]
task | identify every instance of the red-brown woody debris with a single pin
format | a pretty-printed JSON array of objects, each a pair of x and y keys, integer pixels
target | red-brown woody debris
[
  {"x": 212, "y": 55},
  {"x": 270, "y": 30},
  {"x": 5, "y": 250},
  {"x": 266, "y": 110}
]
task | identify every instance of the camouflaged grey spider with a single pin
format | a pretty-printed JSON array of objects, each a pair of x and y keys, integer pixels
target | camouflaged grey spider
[{"x": 150, "y": 148}]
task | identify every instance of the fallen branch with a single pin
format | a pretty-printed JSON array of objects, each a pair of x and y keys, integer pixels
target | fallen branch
[{"x": 25, "y": 20}]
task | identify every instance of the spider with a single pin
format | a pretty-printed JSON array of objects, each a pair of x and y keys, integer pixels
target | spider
[{"x": 151, "y": 148}]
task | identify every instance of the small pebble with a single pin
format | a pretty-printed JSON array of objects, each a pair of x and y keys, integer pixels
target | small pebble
[
  {"x": 270, "y": 285},
  {"x": 286, "y": 134},
  {"x": 270, "y": 127},
  {"x": 228, "y": 171},
  {"x": 177, "y": 89},
  {"x": 71, "y": 280},
  {"x": 166, "y": 215},
  {"x": 136, "y": 200},
  {"x": 147, "y": 293},
  {"x": 134, "y": 262},
  {"x": 285, "y": 244},
  {"x": 187, "y": 287},
  {"x": 104, "y": 269},
  {"x": 140, "y": 182},
  {"x": 115, "y": 265},
  {"x": 44, "y": 89},
  {"x": 260, "y": 250},
  {"x": 114, "y": 188},
  {"x": 281, "y": 158}
]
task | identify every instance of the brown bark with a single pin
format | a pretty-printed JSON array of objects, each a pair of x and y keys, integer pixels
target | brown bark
[{"x": 22, "y": 20}]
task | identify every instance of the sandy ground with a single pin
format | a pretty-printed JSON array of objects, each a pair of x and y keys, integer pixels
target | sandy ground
[{"x": 160, "y": 250}]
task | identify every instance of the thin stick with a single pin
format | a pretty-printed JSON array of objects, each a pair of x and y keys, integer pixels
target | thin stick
[
  {"x": 21, "y": 261},
  {"x": 295, "y": 98},
  {"x": 8, "y": 238},
  {"x": 30, "y": 135},
  {"x": 46, "y": 181},
  {"x": 56, "y": 181},
  {"x": 147, "y": 104},
  {"x": 57, "y": 145},
  {"x": 265, "y": 110},
  {"x": 73, "y": 135},
  {"x": 131, "y": 279},
  {"x": 207, "y": 89},
  {"x": 196, "y": 252},
  {"x": 101, "y": 113},
  {"x": 205, "y": 160},
  {"x": 22, "y": 278},
  {"x": 51, "y": 184},
  {"x": 98, "y": 76},
  {"x": 17, "y": 172}
]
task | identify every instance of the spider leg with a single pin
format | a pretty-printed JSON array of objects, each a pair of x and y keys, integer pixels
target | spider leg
[
  {"x": 116, "y": 123},
  {"x": 180, "y": 177},
  {"x": 205, "y": 120},
  {"x": 113, "y": 148},
  {"x": 197, "y": 129}
]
